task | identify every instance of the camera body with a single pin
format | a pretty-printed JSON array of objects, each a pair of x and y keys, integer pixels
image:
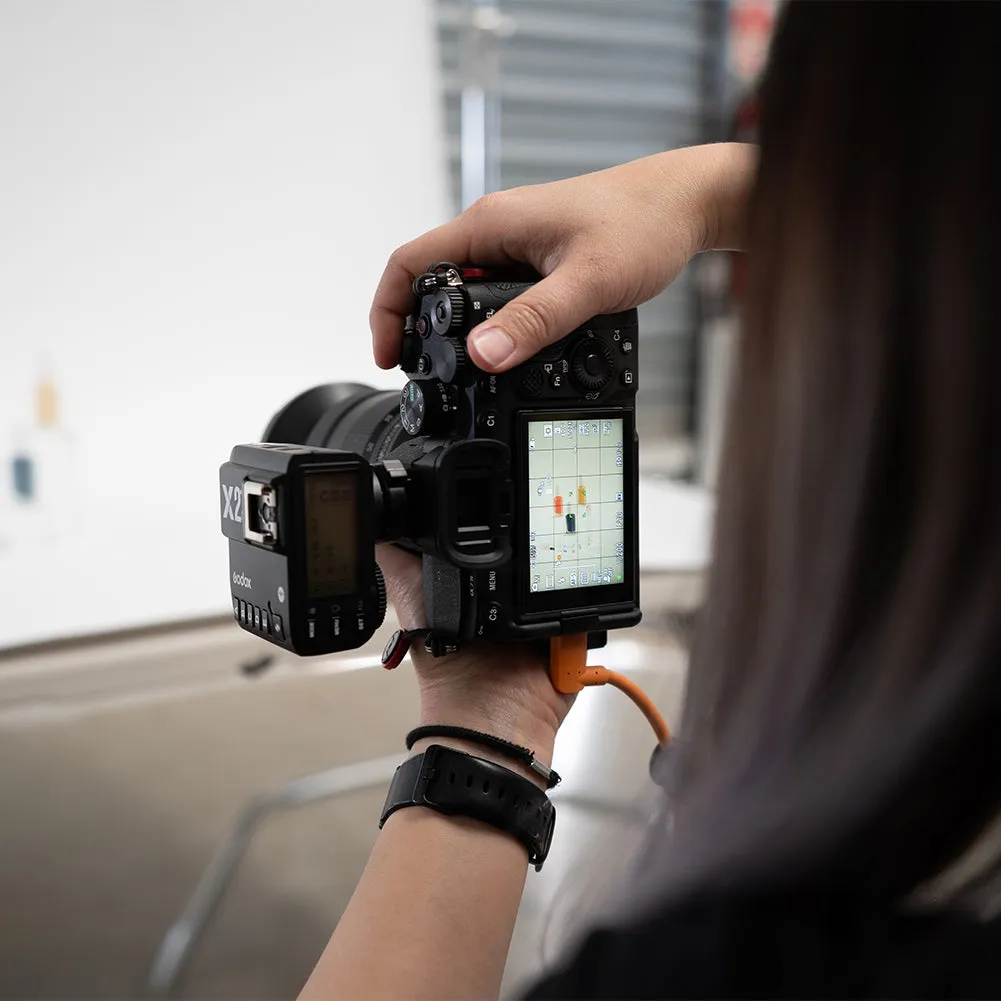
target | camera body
[{"x": 519, "y": 490}]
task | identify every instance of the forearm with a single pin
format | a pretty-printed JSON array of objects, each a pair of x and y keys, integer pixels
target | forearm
[
  {"x": 433, "y": 913},
  {"x": 432, "y": 916}
]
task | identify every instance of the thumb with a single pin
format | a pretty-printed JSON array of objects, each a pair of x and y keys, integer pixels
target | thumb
[{"x": 547, "y": 311}]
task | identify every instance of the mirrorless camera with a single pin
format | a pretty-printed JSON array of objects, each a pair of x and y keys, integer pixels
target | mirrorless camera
[{"x": 518, "y": 491}]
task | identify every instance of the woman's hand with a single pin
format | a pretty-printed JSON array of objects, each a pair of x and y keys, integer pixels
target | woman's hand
[
  {"x": 604, "y": 242},
  {"x": 503, "y": 689}
]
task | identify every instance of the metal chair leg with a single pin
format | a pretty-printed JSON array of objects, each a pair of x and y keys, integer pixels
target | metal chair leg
[
  {"x": 175, "y": 950},
  {"x": 182, "y": 937}
]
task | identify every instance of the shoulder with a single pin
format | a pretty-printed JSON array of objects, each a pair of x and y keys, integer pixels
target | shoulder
[{"x": 782, "y": 946}]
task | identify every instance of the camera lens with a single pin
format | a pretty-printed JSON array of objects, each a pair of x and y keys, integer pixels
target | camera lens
[{"x": 344, "y": 415}]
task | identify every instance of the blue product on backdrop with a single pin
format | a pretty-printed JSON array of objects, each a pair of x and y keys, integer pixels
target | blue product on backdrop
[{"x": 23, "y": 477}]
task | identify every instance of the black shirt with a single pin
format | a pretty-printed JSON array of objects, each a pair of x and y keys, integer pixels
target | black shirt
[{"x": 781, "y": 947}]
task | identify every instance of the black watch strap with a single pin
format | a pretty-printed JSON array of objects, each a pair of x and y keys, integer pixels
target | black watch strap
[{"x": 459, "y": 784}]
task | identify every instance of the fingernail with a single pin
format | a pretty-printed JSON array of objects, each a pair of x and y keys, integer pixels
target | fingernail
[{"x": 493, "y": 345}]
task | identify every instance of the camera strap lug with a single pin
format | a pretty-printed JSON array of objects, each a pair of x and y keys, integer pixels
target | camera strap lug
[
  {"x": 439, "y": 275},
  {"x": 399, "y": 646},
  {"x": 403, "y": 639}
]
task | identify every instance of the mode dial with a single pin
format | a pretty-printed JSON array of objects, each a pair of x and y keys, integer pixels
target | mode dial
[
  {"x": 447, "y": 309},
  {"x": 592, "y": 365},
  {"x": 426, "y": 406}
]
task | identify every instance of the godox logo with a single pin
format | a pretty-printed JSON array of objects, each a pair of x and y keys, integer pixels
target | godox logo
[{"x": 242, "y": 580}]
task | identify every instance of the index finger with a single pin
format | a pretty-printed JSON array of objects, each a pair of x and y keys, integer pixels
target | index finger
[{"x": 394, "y": 297}]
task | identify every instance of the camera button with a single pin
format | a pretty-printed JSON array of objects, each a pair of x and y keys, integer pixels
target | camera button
[
  {"x": 626, "y": 345},
  {"x": 236, "y": 609},
  {"x": 628, "y": 378},
  {"x": 276, "y": 624},
  {"x": 556, "y": 380},
  {"x": 592, "y": 365},
  {"x": 335, "y": 623},
  {"x": 243, "y": 612},
  {"x": 257, "y": 618},
  {"x": 532, "y": 381},
  {"x": 487, "y": 420},
  {"x": 265, "y": 622}
]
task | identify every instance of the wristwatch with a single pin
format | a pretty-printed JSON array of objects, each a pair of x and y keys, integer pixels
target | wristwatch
[{"x": 459, "y": 784}]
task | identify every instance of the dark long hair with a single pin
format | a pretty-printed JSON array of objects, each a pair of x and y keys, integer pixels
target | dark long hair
[{"x": 843, "y": 717}]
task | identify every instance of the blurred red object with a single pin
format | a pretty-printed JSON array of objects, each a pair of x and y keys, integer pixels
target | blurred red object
[{"x": 750, "y": 30}]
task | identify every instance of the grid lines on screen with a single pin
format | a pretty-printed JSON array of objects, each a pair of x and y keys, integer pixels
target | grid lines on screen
[{"x": 576, "y": 515}]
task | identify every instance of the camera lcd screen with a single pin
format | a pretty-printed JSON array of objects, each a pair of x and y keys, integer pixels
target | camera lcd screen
[
  {"x": 576, "y": 511},
  {"x": 331, "y": 553}
]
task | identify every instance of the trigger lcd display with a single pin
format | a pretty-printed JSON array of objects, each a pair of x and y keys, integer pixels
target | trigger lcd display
[
  {"x": 577, "y": 513},
  {"x": 331, "y": 550}
]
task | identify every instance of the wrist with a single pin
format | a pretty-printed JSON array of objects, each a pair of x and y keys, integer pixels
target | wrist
[
  {"x": 505, "y": 692},
  {"x": 723, "y": 193}
]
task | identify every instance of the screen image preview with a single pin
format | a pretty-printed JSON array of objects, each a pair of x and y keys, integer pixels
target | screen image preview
[{"x": 576, "y": 510}]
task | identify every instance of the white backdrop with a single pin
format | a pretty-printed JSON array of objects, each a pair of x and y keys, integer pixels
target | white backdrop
[{"x": 196, "y": 201}]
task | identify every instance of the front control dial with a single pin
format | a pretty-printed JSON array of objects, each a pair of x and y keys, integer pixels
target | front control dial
[
  {"x": 592, "y": 365},
  {"x": 426, "y": 406},
  {"x": 447, "y": 310}
]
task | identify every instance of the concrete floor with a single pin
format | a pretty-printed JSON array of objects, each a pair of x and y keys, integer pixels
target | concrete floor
[{"x": 123, "y": 764}]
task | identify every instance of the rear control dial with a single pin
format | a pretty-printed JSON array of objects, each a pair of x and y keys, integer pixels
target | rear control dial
[
  {"x": 592, "y": 365},
  {"x": 426, "y": 406}
]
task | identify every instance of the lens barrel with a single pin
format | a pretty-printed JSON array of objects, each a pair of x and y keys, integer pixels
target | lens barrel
[{"x": 343, "y": 415}]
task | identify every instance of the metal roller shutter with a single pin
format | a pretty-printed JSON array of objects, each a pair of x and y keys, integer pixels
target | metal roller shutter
[{"x": 580, "y": 85}]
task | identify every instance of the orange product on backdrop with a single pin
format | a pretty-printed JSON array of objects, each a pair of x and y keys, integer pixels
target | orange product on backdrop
[
  {"x": 558, "y": 504},
  {"x": 582, "y": 495}
]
